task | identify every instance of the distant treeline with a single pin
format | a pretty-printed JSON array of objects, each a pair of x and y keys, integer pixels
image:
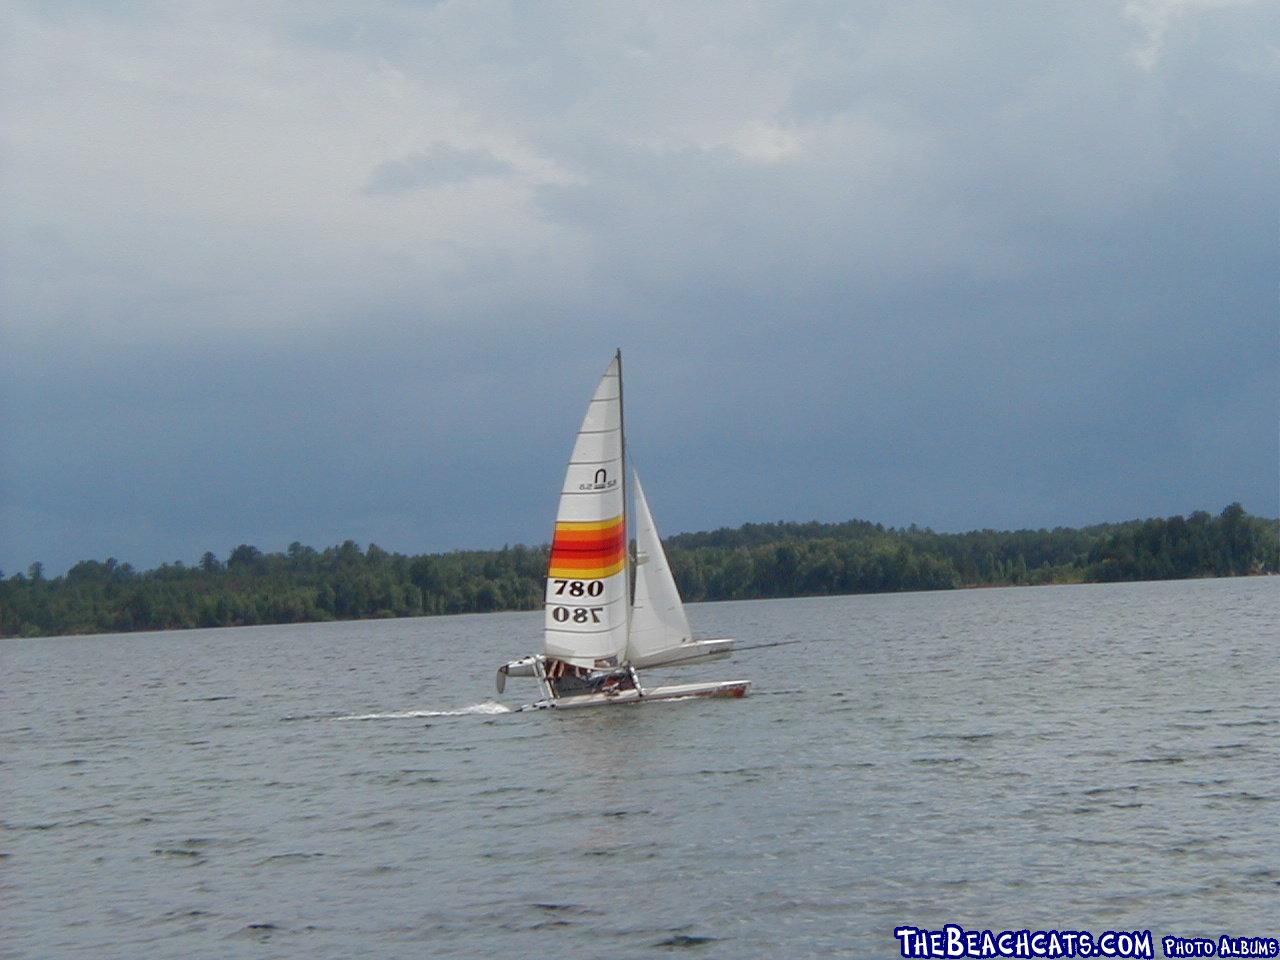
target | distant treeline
[{"x": 756, "y": 560}]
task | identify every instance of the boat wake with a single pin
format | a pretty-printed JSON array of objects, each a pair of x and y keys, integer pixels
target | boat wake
[{"x": 486, "y": 708}]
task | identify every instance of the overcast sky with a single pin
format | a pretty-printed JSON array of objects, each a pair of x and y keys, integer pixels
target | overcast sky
[{"x": 277, "y": 271}]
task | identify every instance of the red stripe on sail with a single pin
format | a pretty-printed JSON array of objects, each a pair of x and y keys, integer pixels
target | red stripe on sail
[{"x": 595, "y": 554}]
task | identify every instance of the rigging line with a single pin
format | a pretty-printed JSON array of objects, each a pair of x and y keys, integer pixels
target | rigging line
[{"x": 761, "y": 646}]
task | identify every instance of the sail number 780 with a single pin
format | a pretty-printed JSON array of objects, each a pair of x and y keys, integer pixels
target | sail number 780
[{"x": 579, "y": 588}]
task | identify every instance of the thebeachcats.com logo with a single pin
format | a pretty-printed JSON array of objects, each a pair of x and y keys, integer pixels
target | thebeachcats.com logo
[{"x": 954, "y": 941}]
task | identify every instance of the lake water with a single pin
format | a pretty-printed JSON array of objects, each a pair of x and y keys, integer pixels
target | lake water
[{"x": 1092, "y": 757}]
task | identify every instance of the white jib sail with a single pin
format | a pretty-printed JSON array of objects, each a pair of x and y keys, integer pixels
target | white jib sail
[
  {"x": 658, "y": 620},
  {"x": 586, "y": 595}
]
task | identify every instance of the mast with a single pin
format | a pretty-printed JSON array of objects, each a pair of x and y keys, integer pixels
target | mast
[{"x": 626, "y": 527}]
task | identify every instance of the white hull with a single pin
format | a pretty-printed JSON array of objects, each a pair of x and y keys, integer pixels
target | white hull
[
  {"x": 684, "y": 654},
  {"x": 524, "y": 667},
  {"x": 679, "y": 691},
  {"x": 695, "y": 651}
]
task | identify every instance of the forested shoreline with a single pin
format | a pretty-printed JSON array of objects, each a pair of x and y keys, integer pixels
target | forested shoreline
[{"x": 753, "y": 561}]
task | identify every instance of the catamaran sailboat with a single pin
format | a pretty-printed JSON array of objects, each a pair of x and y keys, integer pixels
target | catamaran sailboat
[{"x": 597, "y": 631}]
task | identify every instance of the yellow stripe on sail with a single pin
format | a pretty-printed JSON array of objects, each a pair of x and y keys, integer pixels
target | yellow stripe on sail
[
  {"x": 586, "y": 526},
  {"x": 584, "y": 573}
]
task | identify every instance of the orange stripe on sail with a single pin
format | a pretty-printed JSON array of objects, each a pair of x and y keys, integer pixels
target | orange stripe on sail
[
  {"x": 589, "y": 537},
  {"x": 585, "y": 526},
  {"x": 588, "y": 561}
]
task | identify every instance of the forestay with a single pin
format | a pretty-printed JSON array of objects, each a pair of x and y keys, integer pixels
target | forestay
[
  {"x": 586, "y": 595},
  {"x": 658, "y": 620}
]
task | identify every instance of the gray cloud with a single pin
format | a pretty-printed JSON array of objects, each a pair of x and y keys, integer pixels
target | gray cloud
[
  {"x": 903, "y": 261},
  {"x": 440, "y": 164}
]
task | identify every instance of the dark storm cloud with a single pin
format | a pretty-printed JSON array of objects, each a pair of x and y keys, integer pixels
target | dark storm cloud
[{"x": 909, "y": 262}]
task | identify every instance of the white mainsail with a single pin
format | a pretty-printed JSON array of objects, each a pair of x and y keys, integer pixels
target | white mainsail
[
  {"x": 586, "y": 595},
  {"x": 658, "y": 620}
]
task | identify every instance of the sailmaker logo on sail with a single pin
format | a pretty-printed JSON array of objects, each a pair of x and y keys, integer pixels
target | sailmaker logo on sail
[{"x": 601, "y": 481}]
